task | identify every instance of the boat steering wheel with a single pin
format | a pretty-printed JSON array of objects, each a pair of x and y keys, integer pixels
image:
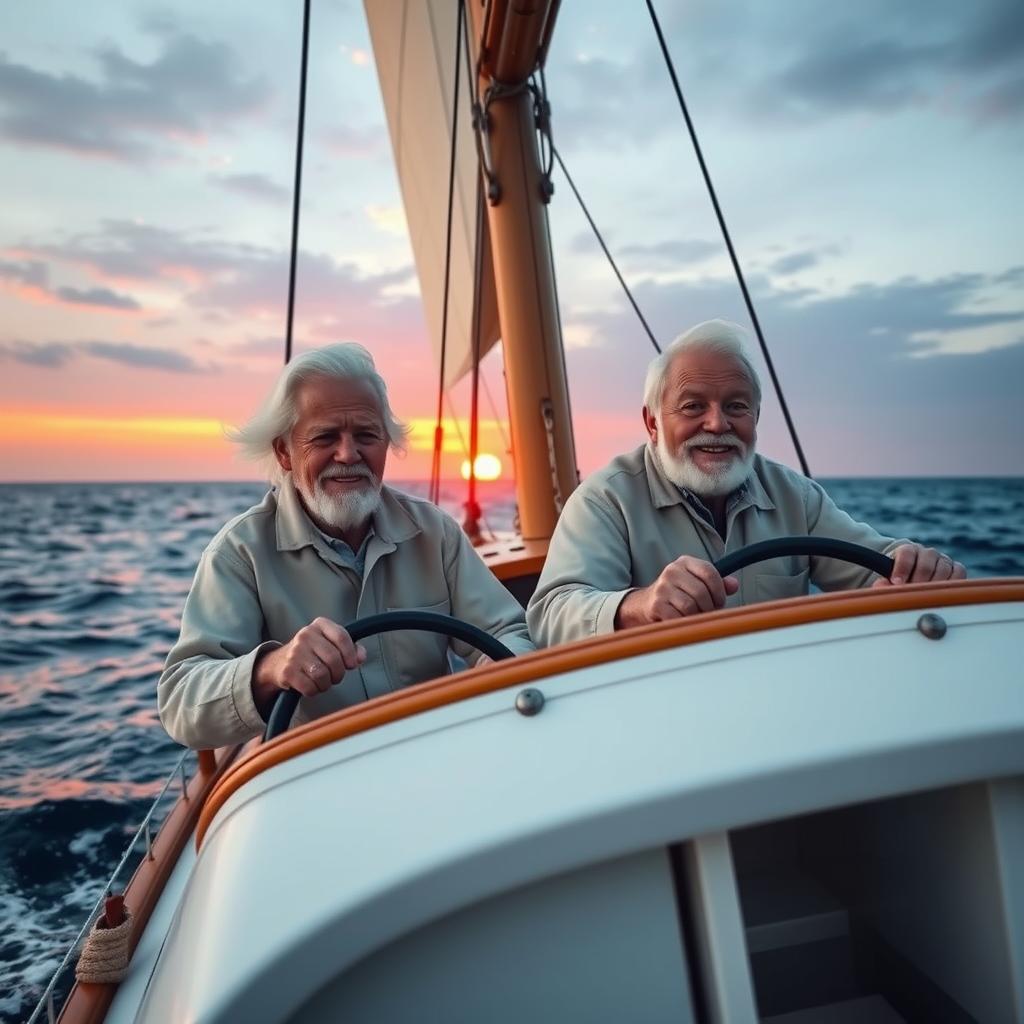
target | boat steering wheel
[
  {"x": 817, "y": 547},
  {"x": 388, "y": 622}
]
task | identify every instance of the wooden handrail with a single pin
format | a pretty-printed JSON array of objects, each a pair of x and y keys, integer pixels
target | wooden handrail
[
  {"x": 88, "y": 1003},
  {"x": 528, "y": 668}
]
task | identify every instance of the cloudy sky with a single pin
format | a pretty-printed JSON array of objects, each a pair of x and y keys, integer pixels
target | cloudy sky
[{"x": 868, "y": 159}]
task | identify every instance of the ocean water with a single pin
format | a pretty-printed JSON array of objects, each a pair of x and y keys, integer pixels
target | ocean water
[{"x": 92, "y": 581}]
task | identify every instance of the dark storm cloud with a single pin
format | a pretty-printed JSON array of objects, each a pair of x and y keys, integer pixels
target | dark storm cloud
[{"x": 134, "y": 110}]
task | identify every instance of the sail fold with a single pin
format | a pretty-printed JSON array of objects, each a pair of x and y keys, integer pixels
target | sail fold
[{"x": 414, "y": 49}]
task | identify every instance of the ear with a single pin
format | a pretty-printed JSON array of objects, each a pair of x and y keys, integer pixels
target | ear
[
  {"x": 284, "y": 460},
  {"x": 651, "y": 424}
]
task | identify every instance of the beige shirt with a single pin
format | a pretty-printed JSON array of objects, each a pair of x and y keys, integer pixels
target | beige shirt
[
  {"x": 626, "y": 522},
  {"x": 269, "y": 572}
]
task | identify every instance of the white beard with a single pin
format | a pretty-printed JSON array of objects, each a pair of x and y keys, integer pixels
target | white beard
[
  {"x": 683, "y": 472},
  {"x": 342, "y": 511}
]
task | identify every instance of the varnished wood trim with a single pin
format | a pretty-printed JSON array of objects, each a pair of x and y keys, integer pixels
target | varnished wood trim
[
  {"x": 513, "y": 559},
  {"x": 594, "y": 651},
  {"x": 89, "y": 1003}
]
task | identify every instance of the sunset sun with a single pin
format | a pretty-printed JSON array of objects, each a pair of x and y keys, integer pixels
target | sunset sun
[{"x": 488, "y": 467}]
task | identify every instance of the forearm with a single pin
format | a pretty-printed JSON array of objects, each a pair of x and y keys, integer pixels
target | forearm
[
  {"x": 572, "y": 611},
  {"x": 207, "y": 702}
]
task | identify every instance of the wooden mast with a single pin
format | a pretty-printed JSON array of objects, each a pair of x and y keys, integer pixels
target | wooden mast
[{"x": 515, "y": 35}]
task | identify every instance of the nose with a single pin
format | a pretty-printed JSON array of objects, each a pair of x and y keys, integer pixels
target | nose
[
  {"x": 715, "y": 420},
  {"x": 347, "y": 451}
]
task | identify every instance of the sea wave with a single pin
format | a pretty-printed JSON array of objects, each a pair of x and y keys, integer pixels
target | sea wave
[{"x": 92, "y": 581}]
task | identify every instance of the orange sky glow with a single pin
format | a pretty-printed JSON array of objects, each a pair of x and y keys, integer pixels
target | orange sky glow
[{"x": 39, "y": 445}]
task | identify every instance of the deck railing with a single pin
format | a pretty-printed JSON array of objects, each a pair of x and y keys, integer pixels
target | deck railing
[{"x": 145, "y": 833}]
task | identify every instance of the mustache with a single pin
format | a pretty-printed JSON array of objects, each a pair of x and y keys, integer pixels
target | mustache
[
  {"x": 715, "y": 440},
  {"x": 346, "y": 473}
]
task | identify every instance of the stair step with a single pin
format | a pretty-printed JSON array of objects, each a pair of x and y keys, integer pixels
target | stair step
[
  {"x": 864, "y": 1010},
  {"x": 789, "y": 910}
]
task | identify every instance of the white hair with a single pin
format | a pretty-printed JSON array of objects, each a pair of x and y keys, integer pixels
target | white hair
[
  {"x": 719, "y": 336},
  {"x": 277, "y": 415}
]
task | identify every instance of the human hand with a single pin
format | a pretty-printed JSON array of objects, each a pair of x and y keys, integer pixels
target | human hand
[
  {"x": 313, "y": 661},
  {"x": 484, "y": 659},
  {"x": 914, "y": 563},
  {"x": 686, "y": 586}
]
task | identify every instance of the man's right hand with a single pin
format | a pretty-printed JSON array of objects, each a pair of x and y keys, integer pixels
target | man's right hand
[
  {"x": 686, "y": 586},
  {"x": 313, "y": 661}
]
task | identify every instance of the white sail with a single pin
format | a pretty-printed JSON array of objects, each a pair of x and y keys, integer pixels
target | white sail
[{"x": 414, "y": 49}]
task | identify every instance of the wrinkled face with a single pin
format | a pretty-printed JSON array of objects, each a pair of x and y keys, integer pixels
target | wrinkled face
[
  {"x": 336, "y": 451},
  {"x": 705, "y": 431}
]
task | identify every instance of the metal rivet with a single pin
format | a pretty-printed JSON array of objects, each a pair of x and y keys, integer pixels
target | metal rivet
[
  {"x": 932, "y": 626},
  {"x": 529, "y": 702}
]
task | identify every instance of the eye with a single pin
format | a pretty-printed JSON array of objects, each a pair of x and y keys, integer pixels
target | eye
[
  {"x": 367, "y": 436},
  {"x": 739, "y": 408},
  {"x": 691, "y": 408}
]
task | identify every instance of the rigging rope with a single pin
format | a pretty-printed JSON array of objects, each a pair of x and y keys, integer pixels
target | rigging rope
[
  {"x": 601, "y": 242},
  {"x": 471, "y": 524},
  {"x": 435, "y": 469},
  {"x": 296, "y": 195},
  {"x": 728, "y": 240}
]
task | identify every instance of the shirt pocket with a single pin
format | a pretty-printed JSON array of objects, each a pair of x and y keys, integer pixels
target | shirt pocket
[
  {"x": 414, "y": 655},
  {"x": 775, "y": 586}
]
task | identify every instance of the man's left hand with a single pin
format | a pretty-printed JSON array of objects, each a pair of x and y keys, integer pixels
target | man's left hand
[{"x": 914, "y": 563}]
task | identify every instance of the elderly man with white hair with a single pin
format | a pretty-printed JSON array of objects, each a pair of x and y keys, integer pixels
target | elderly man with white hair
[
  {"x": 329, "y": 544},
  {"x": 636, "y": 541}
]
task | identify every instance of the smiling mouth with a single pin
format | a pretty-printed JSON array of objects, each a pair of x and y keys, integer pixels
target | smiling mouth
[{"x": 716, "y": 449}]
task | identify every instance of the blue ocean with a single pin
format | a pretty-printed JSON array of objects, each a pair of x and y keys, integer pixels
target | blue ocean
[{"x": 92, "y": 581}]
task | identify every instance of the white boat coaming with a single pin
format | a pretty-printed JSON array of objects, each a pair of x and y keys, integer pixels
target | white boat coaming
[{"x": 326, "y": 857}]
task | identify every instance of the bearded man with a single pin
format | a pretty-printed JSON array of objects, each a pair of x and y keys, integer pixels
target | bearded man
[
  {"x": 636, "y": 540},
  {"x": 329, "y": 544}
]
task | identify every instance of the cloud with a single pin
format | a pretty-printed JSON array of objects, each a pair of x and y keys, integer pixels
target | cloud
[
  {"x": 51, "y": 354},
  {"x": 349, "y": 141},
  {"x": 30, "y": 279},
  {"x": 389, "y": 219},
  {"x": 909, "y": 401},
  {"x": 102, "y": 297},
  {"x": 963, "y": 58},
  {"x": 671, "y": 253},
  {"x": 224, "y": 283},
  {"x": 30, "y": 272},
  {"x": 57, "y": 354},
  {"x": 794, "y": 262},
  {"x": 134, "y": 110},
  {"x": 253, "y": 186},
  {"x": 802, "y": 62}
]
